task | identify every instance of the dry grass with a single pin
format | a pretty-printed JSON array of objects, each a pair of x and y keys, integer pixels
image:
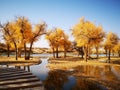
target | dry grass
[
  {"x": 71, "y": 62},
  {"x": 84, "y": 79},
  {"x": 19, "y": 62}
]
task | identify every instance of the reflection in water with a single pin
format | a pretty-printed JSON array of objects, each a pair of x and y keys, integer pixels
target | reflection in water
[
  {"x": 116, "y": 71},
  {"x": 86, "y": 84},
  {"x": 101, "y": 72},
  {"x": 109, "y": 75},
  {"x": 83, "y": 77},
  {"x": 26, "y": 68},
  {"x": 70, "y": 83},
  {"x": 86, "y": 77},
  {"x": 41, "y": 71},
  {"x": 55, "y": 80}
]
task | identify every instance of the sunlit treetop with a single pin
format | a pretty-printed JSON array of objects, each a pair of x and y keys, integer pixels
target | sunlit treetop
[{"x": 86, "y": 32}]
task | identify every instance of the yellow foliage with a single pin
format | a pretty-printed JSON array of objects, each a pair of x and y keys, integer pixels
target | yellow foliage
[
  {"x": 57, "y": 38},
  {"x": 85, "y": 32},
  {"x": 111, "y": 40},
  {"x": 39, "y": 30},
  {"x": 117, "y": 48},
  {"x": 25, "y": 30}
]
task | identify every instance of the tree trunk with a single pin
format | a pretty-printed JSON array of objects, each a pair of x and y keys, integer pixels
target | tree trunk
[
  {"x": 82, "y": 52},
  {"x": 97, "y": 52},
  {"x": 64, "y": 53},
  {"x": 88, "y": 52},
  {"x": 82, "y": 55},
  {"x": 30, "y": 50},
  {"x": 119, "y": 53},
  {"x": 16, "y": 51},
  {"x": 56, "y": 52},
  {"x": 109, "y": 55},
  {"x": 53, "y": 52},
  {"x": 85, "y": 53},
  {"x": 25, "y": 51},
  {"x": 8, "y": 50},
  {"x": 85, "y": 58},
  {"x": 106, "y": 52},
  {"x": 113, "y": 53},
  {"x": 19, "y": 52}
]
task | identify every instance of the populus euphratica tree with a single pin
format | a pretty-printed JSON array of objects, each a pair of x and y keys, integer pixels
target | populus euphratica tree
[
  {"x": 29, "y": 36},
  {"x": 50, "y": 37},
  {"x": 117, "y": 49},
  {"x": 20, "y": 32},
  {"x": 65, "y": 43},
  {"x": 58, "y": 39},
  {"x": 11, "y": 31},
  {"x": 54, "y": 39},
  {"x": 25, "y": 31},
  {"x": 39, "y": 30},
  {"x": 86, "y": 35},
  {"x": 111, "y": 41}
]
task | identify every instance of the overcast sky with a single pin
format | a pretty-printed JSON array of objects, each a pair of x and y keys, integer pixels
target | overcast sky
[{"x": 63, "y": 13}]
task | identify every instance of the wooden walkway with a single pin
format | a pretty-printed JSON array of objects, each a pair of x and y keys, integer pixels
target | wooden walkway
[{"x": 17, "y": 79}]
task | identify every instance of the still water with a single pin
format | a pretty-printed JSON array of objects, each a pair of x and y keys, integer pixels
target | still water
[
  {"x": 84, "y": 77},
  {"x": 53, "y": 80}
]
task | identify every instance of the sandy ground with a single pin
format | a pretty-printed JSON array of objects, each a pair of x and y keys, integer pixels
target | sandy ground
[
  {"x": 69, "y": 65},
  {"x": 20, "y": 62},
  {"x": 71, "y": 62}
]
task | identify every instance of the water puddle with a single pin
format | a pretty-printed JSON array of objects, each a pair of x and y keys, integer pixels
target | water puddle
[
  {"x": 70, "y": 83},
  {"x": 83, "y": 77},
  {"x": 40, "y": 70}
]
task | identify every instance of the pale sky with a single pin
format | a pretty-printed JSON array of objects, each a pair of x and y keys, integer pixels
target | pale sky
[{"x": 63, "y": 13}]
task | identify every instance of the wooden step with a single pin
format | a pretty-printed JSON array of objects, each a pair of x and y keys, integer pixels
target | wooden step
[
  {"x": 14, "y": 72},
  {"x": 22, "y": 85},
  {"x": 18, "y": 81},
  {"x": 12, "y": 79},
  {"x": 14, "y": 75},
  {"x": 10, "y": 69},
  {"x": 17, "y": 77}
]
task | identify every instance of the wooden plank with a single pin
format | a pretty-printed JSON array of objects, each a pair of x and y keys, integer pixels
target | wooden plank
[
  {"x": 18, "y": 81},
  {"x": 14, "y": 75},
  {"x": 10, "y": 69},
  {"x": 12, "y": 79},
  {"x": 22, "y": 85},
  {"x": 17, "y": 77},
  {"x": 7, "y": 73}
]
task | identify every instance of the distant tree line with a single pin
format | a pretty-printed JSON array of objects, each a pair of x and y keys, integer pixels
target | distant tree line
[
  {"x": 88, "y": 35},
  {"x": 20, "y": 33},
  {"x": 58, "y": 40}
]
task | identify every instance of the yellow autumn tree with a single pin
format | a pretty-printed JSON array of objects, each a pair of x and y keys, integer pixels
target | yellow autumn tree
[
  {"x": 58, "y": 35},
  {"x": 58, "y": 39},
  {"x": 117, "y": 49},
  {"x": 65, "y": 43},
  {"x": 20, "y": 32},
  {"x": 98, "y": 36},
  {"x": 10, "y": 30},
  {"x": 39, "y": 30},
  {"x": 55, "y": 36},
  {"x": 25, "y": 33},
  {"x": 86, "y": 35},
  {"x": 17, "y": 32},
  {"x": 111, "y": 41},
  {"x": 7, "y": 42},
  {"x": 50, "y": 37}
]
